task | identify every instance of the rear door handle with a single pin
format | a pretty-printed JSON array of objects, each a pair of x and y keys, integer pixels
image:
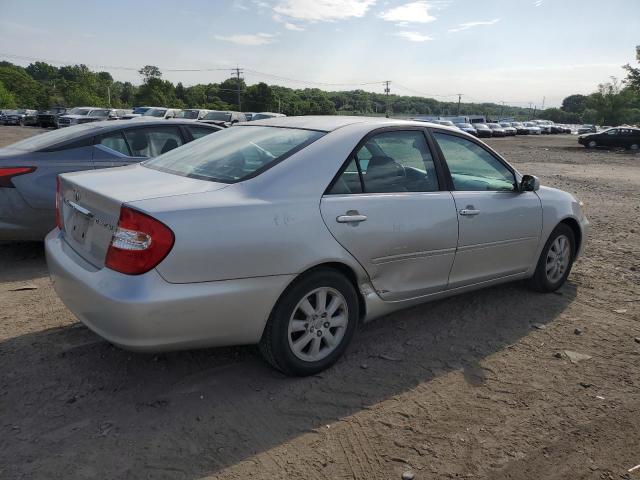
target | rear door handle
[
  {"x": 351, "y": 218},
  {"x": 469, "y": 212}
]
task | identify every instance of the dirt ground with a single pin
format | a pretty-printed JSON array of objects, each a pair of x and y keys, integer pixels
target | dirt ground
[{"x": 475, "y": 386}]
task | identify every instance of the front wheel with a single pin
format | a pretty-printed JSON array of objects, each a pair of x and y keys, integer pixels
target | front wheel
[
  {"x": 556, "y": 260},
  {"x": 312, "y": 323},
  {"x": 634, "y": 147},
  {"x": 591, "y": 144}
]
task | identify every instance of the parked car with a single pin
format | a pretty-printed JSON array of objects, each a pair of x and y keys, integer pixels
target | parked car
[
  {"x": 249, "y": 116},
  {"x": 161, "y": 112},
  {"x": 4, "y": 114},
  {"x": 544, "y": 126},
  {"x": 50, "y": 117},
  {"x": 192, "y": 114},
  {"x": 483, "y": 130},
  {"x": 28, "y": 169},
  {"x": 260, "y": 234},
  {"x": 467, "y": 127},
  {"x": 587, "y": 129},
  {"x": 533, "y": 128},
  {"x": 614, "y": 137},
  {"x": 520, "y": 128},
  {"x": 22, "y": 117},
  {"x": 510, "y": 131},
  {"x": 223, "y": 118},
  {"x": 446, "y": 123},
  {"x": 135, "y": 113},
  {"x": 497, "y": 130},
  {"x": 265, "y": 115},
  {"x": 81, "y": 115}
]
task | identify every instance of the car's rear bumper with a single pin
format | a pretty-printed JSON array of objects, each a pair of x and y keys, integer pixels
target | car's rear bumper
[{"x": 146, "y": 313}]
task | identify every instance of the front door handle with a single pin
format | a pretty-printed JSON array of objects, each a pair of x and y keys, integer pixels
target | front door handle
[
  {"x": 469, "y": 212},
  {"x": 351, "y": 218}
]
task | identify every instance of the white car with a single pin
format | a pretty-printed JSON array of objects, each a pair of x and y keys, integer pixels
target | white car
[{"x": 533, "y": 128}]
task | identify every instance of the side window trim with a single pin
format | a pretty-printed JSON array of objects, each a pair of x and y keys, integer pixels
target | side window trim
[
  {"x": 353, "y": 156},
  {"x": 445, "y": 166}
]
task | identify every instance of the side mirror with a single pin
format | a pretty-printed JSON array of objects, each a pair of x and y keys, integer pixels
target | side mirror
[{"x": 529, "y": 183}]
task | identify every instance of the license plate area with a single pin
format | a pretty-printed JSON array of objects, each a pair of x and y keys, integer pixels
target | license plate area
[{"x": 79, "y": 224}]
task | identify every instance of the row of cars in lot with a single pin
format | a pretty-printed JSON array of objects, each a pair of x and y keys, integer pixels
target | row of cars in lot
[
  {"x": 506, "y": 128},
  {"x": 285, "y": 232},
  {"x": 58, "y": 117}
]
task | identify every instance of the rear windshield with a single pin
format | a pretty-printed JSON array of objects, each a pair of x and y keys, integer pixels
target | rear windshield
[
  {"x": 54, "y": 137},
  {"x": 218, "y": 116},
  {"x": 234, "y": 154}
]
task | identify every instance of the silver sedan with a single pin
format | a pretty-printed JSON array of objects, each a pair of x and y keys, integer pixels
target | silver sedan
[{"x": 289, "y": 232}]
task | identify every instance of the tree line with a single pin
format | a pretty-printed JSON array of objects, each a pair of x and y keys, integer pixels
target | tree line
[{"x": 41, "y": 85}]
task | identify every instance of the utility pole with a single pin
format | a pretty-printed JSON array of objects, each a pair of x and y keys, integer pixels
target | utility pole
[
  {"x": 530, "y": 107},
  {"x": 501, "y": 110},
  {"x": 459, "y": 98},
  {"x": 109, "y": 94},
  {"x": 386, "y": 91},
  {"x": 543, "y": 99},
  {"x": 238, "y": 71}
]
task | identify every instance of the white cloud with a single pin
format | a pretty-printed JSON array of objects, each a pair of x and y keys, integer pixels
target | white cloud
[
  {"x": 414, "y": 36},
  {"x": 248, "y": 39},
  {"x": 287, "y": 25},
  {"x": 538, "y": 3},
  {"x": 323, "y": 10},
  {"x": 468, "y": 25},
  {"x": 413, "y": 12}
]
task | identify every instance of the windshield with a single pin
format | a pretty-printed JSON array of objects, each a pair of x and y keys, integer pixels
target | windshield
[
  {"x": 505, "y": 125},
  {"x": 99, "y": 113},
  {"x": 155, "y": 112},
  {"x": 219, "y": 116},
  {"x": 529, "y": 124},
  {"x": 140, "y": 110},
  {"x": 49, "y": 139},
  {"x": 480, "y": 125},
  {"x": 494, "y": 125},
  {"x": 79, "y": 111},
  {"x": 234, "y": 154},
  {"x": 465, "y": 125},
  {"x": 189, "y": 114}
]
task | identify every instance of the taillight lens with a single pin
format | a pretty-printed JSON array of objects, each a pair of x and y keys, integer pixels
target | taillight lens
[
  {"x": 58, "y": 204},
  {"x": 7, "y": 173},
  {"x": 139, "y": 244}
]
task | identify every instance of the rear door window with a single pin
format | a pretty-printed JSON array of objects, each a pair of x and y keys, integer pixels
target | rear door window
[
  {"x": 115, "y": 141},
  {"x": 199, "y": 132},
  {"x": 153, "y": 141}
]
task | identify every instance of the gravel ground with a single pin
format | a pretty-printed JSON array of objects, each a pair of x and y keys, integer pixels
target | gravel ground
[{"x": 476, "y": 386}]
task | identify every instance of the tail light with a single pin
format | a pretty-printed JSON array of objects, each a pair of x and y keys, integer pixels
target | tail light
[
  {"x": 139, "y": 244},
  {"x": 7, "y": 173},
  {"x": 58, "y": 204}
]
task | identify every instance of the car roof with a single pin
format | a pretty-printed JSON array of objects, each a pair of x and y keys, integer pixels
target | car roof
[{"x": 329, "y": 123}]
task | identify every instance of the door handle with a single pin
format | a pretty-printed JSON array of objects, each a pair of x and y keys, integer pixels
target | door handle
[
  {"x": 469, "y": 212},
  {"x": 351, "y": 218}
]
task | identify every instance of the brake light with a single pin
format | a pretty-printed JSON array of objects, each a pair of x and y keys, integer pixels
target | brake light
[
  {"x": 7, "y": 173},
  {"x": 139, "y": 244},
  {"x": 58, "y": 204}
]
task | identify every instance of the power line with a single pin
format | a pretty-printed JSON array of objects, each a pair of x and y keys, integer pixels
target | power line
[{"x": 310, "y": 82}]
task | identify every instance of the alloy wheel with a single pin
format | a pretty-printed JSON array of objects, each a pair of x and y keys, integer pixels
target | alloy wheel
[
  {"x": 318, "y": 324},
  {"x": 558, "y": 258}
]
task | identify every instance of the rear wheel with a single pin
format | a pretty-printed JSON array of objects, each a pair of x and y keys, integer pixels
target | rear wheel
[
  {"x": 556, "y": 260},
  {"x": 312, "y": 323},
  {"x": 591, "y": 144},
  {"x": 635, "y": 147}
]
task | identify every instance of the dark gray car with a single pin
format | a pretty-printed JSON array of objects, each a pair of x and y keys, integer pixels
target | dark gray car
[{"x": 28, "y": 169}]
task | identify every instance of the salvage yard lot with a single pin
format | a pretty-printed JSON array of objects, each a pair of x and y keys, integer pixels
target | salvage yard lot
[{"x": 475, "y": 386}]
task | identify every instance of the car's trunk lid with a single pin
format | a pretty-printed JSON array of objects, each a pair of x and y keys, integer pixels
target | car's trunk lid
[{"x": 91, "y": 201}]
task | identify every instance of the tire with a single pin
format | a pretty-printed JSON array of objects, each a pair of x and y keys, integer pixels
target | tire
[
  {"x": 591, "y": 144},
  {"x": 291, "y": 333},
  {"x": 634, "y": 147},
  {"x": 547, "y": 278}
]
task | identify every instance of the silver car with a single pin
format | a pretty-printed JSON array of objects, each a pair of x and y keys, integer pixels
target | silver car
[
  {"x": 289, "y": 232},
  {"x": 28, "y": 168}
]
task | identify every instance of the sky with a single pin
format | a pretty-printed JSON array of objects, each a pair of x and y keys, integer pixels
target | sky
[{"x": 512, "y": 51}]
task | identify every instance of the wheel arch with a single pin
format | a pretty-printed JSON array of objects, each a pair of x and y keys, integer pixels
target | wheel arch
[{"x": 573, "y": 224}]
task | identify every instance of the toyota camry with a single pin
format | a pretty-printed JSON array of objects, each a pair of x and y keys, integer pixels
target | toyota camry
[{"x": 289, "y": 232}]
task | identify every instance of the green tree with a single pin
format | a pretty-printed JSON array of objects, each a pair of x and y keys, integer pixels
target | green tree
[
  {"x": 633, "y": 74},
  {"x": 260, "y": 98},
  {"x": 149, "y": 71},
  {"x": 574, "y": 103},
  {"x": 25, "y": 90},
  {"x": 6, "y": 98}
]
